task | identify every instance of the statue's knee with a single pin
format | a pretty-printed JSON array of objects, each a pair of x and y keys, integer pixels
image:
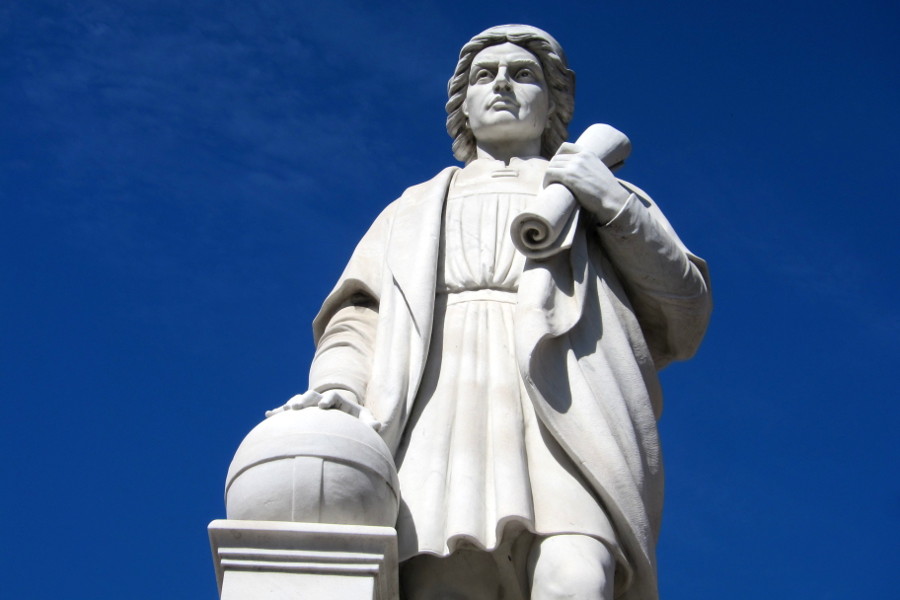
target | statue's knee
[
  {"x": 464, "y": 575},
  {"x": 571, "y": 567},
  {"x": 571, "y": 582}
]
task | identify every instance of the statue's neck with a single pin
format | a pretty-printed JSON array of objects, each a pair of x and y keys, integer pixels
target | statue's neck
[{"x": 507, "y": 150}]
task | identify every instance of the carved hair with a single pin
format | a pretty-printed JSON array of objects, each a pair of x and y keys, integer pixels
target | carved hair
[{"x": 559, "y": 78}]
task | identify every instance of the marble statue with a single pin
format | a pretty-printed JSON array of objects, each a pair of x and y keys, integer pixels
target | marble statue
[{"x": 516, "y": 390}]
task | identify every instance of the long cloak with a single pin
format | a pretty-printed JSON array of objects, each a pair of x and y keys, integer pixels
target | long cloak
[{"x": 593, "y": 326}]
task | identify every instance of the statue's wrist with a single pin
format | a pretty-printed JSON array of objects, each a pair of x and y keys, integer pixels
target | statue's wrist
[
  {"x": 345, "y": 391},
  {"x": 614, "y": 215}
]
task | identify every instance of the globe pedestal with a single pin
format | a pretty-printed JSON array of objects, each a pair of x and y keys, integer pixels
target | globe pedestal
[
  {"x": 273, "y": 560},
  {"x": 311, "y": 498}
]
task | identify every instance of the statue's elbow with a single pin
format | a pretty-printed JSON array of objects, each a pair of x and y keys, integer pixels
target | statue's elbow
[
  {"x": 685, "y": 324},
  {"x": 689, "y": 330}
]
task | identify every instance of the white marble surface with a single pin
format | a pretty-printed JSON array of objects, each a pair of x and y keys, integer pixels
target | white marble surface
[
  {"x": 314, "y": 466},
  {"x": 265, "y": 560},
  {"x": 589, "y": 328},
  {"x": 547, "y": 226},
  {"x": 549, "y": 399}
]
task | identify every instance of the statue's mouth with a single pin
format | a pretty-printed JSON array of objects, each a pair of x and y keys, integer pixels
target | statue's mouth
[{"x": 503, "y": 103}]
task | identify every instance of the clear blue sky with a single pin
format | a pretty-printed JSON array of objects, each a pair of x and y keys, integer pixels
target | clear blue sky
[{"x": 182, "y": 181}]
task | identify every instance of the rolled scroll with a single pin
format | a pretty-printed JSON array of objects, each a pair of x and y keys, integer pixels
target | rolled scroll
[{"x": 547, "y": 225}]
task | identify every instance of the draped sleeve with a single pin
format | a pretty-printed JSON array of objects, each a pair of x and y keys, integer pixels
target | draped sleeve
[
  {"x": 667, "y": 286},
  {"x": 344, "y": 330}
]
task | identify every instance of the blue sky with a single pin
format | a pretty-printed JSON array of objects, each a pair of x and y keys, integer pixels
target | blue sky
[{"x": 182, "y": 181}]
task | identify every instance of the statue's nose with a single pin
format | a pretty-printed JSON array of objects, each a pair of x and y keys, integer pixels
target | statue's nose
[{"x": 501, "y": 81}]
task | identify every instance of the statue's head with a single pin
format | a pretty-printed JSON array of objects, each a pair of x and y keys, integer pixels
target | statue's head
[{"x": 558, "y": 78}]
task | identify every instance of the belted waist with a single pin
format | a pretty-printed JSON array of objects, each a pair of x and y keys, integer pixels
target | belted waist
[{"x": 482, "y": 295}]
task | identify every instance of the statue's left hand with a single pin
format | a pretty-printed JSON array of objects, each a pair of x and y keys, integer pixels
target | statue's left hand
[
  {"x": 589, "y": 180},
  {"x": 329, "y": 399}
]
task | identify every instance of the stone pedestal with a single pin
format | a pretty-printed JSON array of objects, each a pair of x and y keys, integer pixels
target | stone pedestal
[{"x": 274, "y": 560}]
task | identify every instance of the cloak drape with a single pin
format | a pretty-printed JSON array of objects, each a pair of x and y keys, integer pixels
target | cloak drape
[{"x": 593, "y": 326}]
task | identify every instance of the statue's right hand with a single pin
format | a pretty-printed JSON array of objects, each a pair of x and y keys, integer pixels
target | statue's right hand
[
  {"x": 298, "y": 402},
  {"x": 330, "y": 399}
]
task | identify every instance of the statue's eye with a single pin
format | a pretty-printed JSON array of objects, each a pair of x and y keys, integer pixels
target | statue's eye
[
  {"x": 525, "y": 75},
  {"x": 483, "y": 75}
]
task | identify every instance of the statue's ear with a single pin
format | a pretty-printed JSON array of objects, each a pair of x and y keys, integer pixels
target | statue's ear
[{"x": 465, "y": 107}]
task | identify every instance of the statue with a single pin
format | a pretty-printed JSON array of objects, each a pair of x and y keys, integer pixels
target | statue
[{"x": 518, "y": 394}]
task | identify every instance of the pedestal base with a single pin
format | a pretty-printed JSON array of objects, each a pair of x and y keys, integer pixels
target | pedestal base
[{"x": 275, "y": 560}]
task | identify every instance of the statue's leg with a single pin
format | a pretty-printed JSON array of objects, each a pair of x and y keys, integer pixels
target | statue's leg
[
  {"x": 464, "y": 575},
  {"x": 577, "y": 567}
]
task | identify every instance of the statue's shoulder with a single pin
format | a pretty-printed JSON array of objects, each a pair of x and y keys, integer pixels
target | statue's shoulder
[
  {"x": 412, "y": 202},
  {"x": 434, "y": 189}
]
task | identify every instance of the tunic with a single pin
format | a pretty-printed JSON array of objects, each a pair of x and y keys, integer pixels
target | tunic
[
  {"x": 475, "y": 463},
  {"x": 591, "y": 328}
]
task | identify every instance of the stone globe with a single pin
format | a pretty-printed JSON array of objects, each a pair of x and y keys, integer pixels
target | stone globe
[{"x": 313, "y": 466}]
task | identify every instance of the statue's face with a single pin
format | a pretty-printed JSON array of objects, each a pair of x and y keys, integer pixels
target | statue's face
[{"x": 507, "y": 98}]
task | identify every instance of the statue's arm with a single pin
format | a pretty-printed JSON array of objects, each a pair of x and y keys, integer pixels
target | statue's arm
[
  {"x": 340, "y": 369},
  {"x": 667, "y": 286},
  {"x": 343, "y": 358},
  {"x": 344, "y": 331}
]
